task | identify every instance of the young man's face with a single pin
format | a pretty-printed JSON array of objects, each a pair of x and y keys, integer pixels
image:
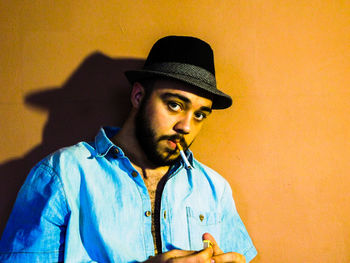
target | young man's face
[{"x": 171, "y": 114}]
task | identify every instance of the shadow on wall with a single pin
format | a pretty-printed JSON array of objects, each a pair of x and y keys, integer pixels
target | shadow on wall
[{"x": 96, "y": 94}]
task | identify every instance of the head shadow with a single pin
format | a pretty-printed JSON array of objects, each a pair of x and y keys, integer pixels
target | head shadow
[{"x": 96, "y": 94}]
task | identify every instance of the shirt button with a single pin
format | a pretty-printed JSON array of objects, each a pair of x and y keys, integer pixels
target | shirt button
[
  {"x": 201, "y": 217},
  {"x": 115, "y": 152},
  {"x": 148, "y": 213},
  {"x": 134, "y": 174},
  {"x": 164, "y": 214}
]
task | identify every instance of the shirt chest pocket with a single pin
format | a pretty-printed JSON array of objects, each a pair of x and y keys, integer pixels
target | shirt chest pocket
[{"x": 200, "y": 222}]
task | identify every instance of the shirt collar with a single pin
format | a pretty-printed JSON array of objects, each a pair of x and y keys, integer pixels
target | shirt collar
[
  {"x": 189, "y": 156},
  {"x": 102, "y": 140}
]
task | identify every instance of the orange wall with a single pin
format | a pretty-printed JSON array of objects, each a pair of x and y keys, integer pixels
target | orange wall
[{"x": 283, "y": 146}]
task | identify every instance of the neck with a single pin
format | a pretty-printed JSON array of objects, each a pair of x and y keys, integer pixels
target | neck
[{"x": 126, "y": 139}]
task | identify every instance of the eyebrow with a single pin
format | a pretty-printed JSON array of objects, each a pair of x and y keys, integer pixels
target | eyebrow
[{"x": 184, "y": 99}]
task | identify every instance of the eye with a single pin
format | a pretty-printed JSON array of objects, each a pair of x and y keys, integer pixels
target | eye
[
  {"x": 174, "y": 106},
  {"x": 199, "y": 116}
]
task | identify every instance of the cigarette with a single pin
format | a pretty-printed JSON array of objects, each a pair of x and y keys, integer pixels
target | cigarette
[
  {"x": 207, "y": 243},
  {"x": 184, "y": 158}
]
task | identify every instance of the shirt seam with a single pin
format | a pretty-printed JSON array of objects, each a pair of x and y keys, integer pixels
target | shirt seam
[
  {"x": 61, "y": 188},
  {"x": 223, "y": 193}
]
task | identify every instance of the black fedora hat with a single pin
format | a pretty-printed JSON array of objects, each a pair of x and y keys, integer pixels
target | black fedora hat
[{"x": 183, "y": 58}]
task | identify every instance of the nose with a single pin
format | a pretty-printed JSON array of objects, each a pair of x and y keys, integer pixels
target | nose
[{"x": 183, "y": 125}]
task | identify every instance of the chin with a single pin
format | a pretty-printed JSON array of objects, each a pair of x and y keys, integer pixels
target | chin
[{"x": 164, "y": 159}]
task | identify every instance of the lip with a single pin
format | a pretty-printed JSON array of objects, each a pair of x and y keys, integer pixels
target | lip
[{"x": 172, "y": 144}]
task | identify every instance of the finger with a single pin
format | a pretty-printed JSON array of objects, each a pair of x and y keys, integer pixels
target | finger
[
  {"x": 203, "y": 256},
  {"x": 176, "y": 253},
  {"x": 216, "y": 248},
  {"x": 231, "y": 257}
]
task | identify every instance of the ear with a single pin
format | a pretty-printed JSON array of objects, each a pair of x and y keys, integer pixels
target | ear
[{"x": 137, "y": 94}]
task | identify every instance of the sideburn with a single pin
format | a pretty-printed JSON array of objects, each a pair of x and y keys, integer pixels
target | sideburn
[{"x": 146, "y": 137}]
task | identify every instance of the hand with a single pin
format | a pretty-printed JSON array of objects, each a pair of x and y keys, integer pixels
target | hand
[
  {"x": 219, "y": 256},
  {"x": 183, "y": 256}
]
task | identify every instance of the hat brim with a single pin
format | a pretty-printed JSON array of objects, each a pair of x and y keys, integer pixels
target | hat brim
[{"x": 220, "y": 99}]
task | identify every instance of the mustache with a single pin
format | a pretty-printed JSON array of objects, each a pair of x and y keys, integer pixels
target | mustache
[{"x": 175, "y": 137}]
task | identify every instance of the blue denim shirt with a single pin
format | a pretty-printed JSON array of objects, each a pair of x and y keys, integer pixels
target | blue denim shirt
[{"x": 86, "y": 203}]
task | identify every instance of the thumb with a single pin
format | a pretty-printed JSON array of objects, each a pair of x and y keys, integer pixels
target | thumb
[{"x": 217, "y": 250}]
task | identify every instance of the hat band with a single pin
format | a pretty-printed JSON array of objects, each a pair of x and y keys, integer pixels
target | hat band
[{"x": 184, "y": 69}]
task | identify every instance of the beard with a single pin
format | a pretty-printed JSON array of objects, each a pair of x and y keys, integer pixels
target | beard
[{"x": 149, "y": 142}]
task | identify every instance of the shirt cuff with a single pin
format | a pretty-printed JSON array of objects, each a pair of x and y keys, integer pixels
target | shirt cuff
[{"x": 250, "y": 254}]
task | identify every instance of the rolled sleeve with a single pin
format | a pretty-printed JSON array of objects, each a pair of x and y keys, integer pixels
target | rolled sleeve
[
  {"x": 36, "y": 228},
  {"x": 235, "y": 237}
]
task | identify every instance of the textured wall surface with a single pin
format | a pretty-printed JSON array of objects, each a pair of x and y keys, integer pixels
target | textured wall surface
[{"x": 284, "y": 145}]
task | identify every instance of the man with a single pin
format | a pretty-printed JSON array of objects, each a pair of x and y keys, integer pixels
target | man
[{"x": 130, "y": 195}]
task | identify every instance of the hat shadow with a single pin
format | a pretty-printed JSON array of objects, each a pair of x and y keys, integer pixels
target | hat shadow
[{"x": 96, "y": 94}]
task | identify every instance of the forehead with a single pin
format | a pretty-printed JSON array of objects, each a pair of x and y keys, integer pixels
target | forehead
[{"x": 193, "y": 94}]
